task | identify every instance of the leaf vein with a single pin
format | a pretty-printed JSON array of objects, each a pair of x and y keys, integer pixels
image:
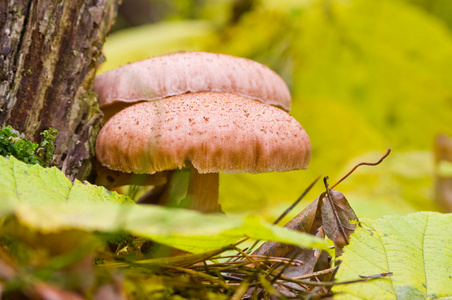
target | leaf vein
[
  {"x": 387, "y": 260},
  {"x": 423, "y": 255}
]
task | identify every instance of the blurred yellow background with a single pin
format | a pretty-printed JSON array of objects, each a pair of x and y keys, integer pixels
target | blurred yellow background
[{"x": 365, "y": 76}]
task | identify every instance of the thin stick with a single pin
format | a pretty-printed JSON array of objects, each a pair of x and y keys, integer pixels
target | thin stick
[
  {"x": 247, "y": 257},
  {"x": 285, "y": 266},
  {"x": 241, "y": 290},
  {"x": 315, "y": 274},
  {"x": 331, "y": 283},
  {"x": 289, "y": 209},
  {"x": 362, "y": 164},
  {"x": 200, "y": 274},
  {"x": 257, "y": 257},
  {"x": 297, "y": 201}
]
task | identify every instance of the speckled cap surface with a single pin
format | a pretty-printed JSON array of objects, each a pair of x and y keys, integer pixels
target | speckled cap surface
[
  {"x": 216, "y": 132},
  {"x": 183, "y": 72}
]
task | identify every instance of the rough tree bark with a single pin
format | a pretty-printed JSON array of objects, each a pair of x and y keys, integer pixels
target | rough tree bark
[{"x": 49, "y": 51}]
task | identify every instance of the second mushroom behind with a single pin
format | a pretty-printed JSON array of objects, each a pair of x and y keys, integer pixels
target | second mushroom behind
[
  {"x": 207, "y": 133},
  {"x": 188, "y": 72}
]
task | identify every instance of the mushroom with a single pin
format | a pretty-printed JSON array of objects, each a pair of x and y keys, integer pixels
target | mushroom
[
  {"x": 208, "y": 133},
  {"x": 180, "y": 73},
  {"x": 184, "y": 72}
]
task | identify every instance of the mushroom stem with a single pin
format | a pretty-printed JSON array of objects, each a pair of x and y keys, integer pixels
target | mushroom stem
[{"x": 202, "y": 192}]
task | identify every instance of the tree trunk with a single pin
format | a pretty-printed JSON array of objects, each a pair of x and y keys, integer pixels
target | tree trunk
[{"x": 49, "y": 51}]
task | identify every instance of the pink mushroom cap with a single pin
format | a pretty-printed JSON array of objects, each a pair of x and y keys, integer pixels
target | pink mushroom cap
[
  {"x": 183, "y": 72},
  {"x": 215, "y": 132}
]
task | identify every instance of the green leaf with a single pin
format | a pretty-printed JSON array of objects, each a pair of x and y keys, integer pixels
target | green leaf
[
  {"x": 415, "y": 248},
  {"x": 45, "y": 200},
  {"x": 38, "y": 186},
  {"x": 179, "y": 228}
]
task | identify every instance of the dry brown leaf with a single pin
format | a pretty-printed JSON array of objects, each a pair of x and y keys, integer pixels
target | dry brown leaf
[
  {"x": 336, "y": 216},
  {"x": 331, "y": 216}
]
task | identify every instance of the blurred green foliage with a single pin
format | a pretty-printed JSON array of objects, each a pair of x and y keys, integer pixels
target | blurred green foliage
[{"x": 365, "y": 76}]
